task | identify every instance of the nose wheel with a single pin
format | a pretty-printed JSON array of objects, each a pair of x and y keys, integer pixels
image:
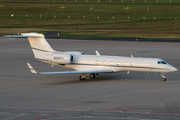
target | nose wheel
[{"x": 163, "y": 77}]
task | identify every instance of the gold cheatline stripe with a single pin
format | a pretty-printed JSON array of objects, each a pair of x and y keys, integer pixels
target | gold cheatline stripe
[{"x": 43, "y": 50}]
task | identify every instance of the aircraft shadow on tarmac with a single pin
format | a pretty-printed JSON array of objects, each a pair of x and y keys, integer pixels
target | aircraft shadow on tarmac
[{"x": 121, "y": 77}]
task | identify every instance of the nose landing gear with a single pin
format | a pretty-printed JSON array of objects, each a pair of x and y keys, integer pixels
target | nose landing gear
[{"x": 163, "y": 77}]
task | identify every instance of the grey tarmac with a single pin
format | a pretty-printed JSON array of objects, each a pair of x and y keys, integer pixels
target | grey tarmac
[{"x": 134, "y": 96}]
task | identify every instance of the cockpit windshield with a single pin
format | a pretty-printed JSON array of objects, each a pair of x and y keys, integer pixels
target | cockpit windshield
[{"x": 162, "y": 62}]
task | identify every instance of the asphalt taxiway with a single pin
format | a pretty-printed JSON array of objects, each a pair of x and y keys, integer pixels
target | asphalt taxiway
[{"x": 109, "y": 96}]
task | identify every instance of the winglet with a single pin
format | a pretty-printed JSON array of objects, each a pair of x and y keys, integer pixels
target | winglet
[
  {"x": 32, "y": 69},
  {"x": 97, "y": 53}
]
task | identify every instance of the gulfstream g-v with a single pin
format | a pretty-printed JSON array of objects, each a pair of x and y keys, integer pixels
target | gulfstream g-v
[{"x": 91, "y": 64}]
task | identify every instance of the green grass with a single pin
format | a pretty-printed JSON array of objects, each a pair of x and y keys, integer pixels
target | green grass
[
  {"x": 141, "y": 20},
  {"x": 100, "y": 1},
  {"x": 71, "y": 35}
]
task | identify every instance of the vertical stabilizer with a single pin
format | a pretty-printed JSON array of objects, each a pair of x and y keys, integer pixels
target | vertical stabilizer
[{"x": 39, "y": 45}]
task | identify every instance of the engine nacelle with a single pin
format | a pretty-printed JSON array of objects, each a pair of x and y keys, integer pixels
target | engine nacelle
[
  {"x": 60, "y": 58},
  {"x": 73, "y": 52}
]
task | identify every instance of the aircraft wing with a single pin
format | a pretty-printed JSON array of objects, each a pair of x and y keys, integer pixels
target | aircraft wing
[{"x": 66, "y": 72}]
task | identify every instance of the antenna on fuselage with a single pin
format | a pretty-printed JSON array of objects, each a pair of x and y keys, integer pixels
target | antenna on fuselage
[{"x": 97, "y": 53}]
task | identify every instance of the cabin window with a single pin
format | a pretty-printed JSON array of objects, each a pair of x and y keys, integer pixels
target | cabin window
[
  {"x": 104, "y": 62},
  {"x": 162, "y": 62},
  {"x": 131, "y": 63},
  {"x": 125, "y": 64},
  {"x": 118, "y": 63},
  {"x": 97, "y": 62},
  {"x": 111, "y": 63}
]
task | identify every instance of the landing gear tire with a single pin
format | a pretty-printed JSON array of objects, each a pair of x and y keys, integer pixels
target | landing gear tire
[
  {"x": 82, "y": 79},
  {"x": 92, "y": 75},
  {"x": 164, "y": 79}
]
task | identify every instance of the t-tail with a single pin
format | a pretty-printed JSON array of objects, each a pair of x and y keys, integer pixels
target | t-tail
[{"x": 39, "y": 45}]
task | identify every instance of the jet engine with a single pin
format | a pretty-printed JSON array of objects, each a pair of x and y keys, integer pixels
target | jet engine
[
  {"x": 73, "y": 52},
  {"x": 60, "y": 58}
]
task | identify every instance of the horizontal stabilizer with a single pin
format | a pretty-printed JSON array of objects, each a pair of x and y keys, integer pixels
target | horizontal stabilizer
[
  {"x": 20, "y": 36},
  {"x": 32, "y": 69},
  {"x": 66, "y": 72},
  {"x": 39, "y": 45}
]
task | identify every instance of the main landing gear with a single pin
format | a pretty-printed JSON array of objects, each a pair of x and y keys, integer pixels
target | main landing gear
[
  {"x": 92, "y": 75},
  {"x": 83, "y": 77},
  {"x": 163, "y": 77}
]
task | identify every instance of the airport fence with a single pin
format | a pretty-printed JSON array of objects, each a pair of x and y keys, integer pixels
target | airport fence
[{"x": 88, "y": 17}]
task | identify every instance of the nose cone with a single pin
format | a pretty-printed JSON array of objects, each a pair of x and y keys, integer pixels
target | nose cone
[{"x": 173, "y": 69}]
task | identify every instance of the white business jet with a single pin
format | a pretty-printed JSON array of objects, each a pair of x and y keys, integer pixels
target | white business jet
[{"x": 91, "y": 64}]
